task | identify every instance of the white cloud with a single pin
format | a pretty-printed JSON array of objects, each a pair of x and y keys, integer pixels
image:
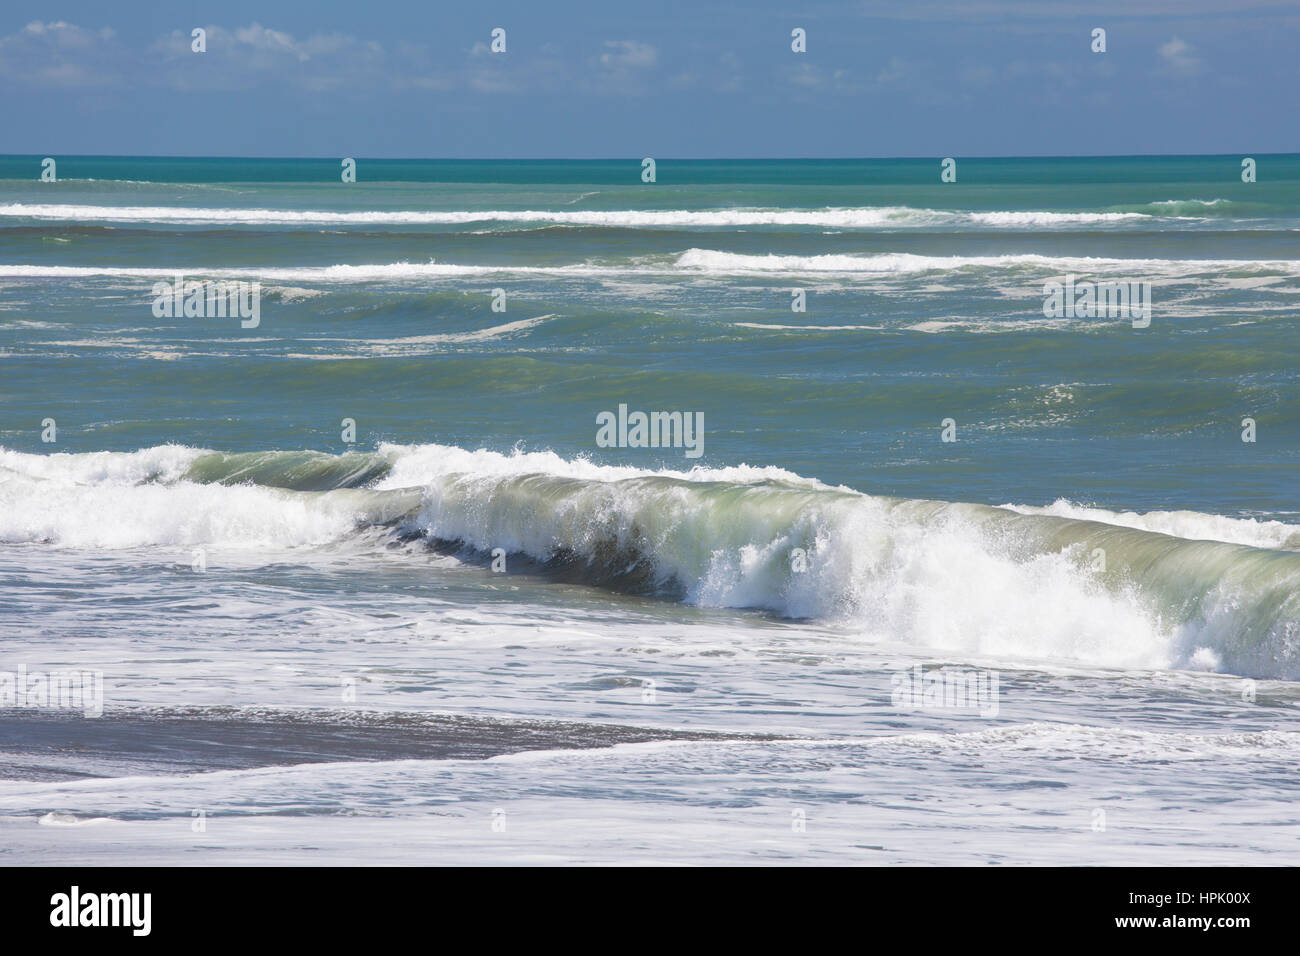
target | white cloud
[
  {"x": 258, "y": 37},
  {"x": 628, "y": 54},
  {"x": 896, "y": 72},
  {"x": 243, "y": 57},
  {"x": 806, "y": 76},
  {"x": 1180, "y": 56},
  {"x": 60, "y": 54},
  {"x": 970, "y": 10}
]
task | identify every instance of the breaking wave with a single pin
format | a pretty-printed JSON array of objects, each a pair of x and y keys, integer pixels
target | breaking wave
[
  {"x": 1162, "y": 590},
  {"x": 870, "y": 217}
]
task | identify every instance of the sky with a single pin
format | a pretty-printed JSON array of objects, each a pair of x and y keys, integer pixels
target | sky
[{"x": 578, "y": 79}]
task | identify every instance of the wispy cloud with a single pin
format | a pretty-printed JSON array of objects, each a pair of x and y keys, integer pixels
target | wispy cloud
[
  {"x": 1180, "y": 57},
  {"x": 60, "y": 54},
  {"x": 979, "y": 10},
  {"x": 245, "y": 57},
  {"x": 628, "y": 54}
]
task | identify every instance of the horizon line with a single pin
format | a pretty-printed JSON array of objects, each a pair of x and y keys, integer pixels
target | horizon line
[{"x": 658, "y": 159}]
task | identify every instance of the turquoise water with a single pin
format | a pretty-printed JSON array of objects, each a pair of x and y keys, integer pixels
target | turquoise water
[
  {"x": 1080, "y": 409},
  {"x": 1098, "y": 531}
]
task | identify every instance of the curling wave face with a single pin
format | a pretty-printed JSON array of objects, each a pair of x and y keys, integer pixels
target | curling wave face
[{"x": 1163, "y": 590}]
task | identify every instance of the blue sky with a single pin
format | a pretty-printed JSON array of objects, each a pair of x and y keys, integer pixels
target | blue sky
[{"x": 608, "y": 79}]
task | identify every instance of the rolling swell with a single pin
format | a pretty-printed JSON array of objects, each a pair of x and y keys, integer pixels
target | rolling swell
[{"x": 967, "y": 577}]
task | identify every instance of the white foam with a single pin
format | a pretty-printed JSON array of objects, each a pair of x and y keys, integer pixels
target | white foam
[
  {"x": 113, "y": 517},
  {"x": 1052, "y": 218},
  {"x": 165, "y": 463},
  {"x": 1191, "y": 525},
  {"x": 1190, "y": 202},
  {"x": 709, "y": 260},
  {"x": 342, "y": 273},
  {"x": 478, "y": 335},
  {"x": 808, "y": 328},
  {"x": 828, "y": 217},
  {"x": 414, "y": 465},
  {"x": 703, "y": 262}
]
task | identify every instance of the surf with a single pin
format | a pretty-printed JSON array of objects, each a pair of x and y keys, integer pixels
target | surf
[
  {"x": 979, "y": 579},
  {"x": 694, "y": 261}
]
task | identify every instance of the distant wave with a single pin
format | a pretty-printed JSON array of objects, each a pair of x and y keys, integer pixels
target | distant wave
[
  {"x": 1176, "y": 589},
  {"x": 697, "y": 261},
  {"x": 869, "y": 217},
  {"x": 1193, "y": 203},
  {"x": 709, "y": 260},
  {"x": 342, "y": 273}
]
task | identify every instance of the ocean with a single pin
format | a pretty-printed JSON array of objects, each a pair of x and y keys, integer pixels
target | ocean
[{"x": 768, "y": 512}]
